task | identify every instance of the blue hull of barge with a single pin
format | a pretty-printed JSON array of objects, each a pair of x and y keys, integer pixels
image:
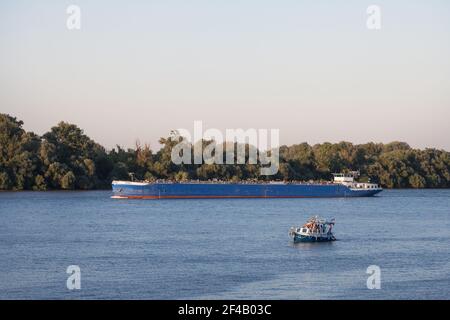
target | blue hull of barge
[{"x": 235, "y": 190}]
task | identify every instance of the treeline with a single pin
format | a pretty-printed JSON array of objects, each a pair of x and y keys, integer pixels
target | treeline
[{"x": 65, "y": 158}]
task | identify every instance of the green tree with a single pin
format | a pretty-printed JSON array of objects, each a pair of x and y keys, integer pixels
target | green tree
[
  {"x": 68, "y": 181},
  {"x": 19, "y": 162},
  {"x": 417, "y": 181},
  {"x": 40, "y": 184},
  {"x": 5, "y": 182},
  {"x": 67, "y": 148},
  {"x": 182, "y": 176}
]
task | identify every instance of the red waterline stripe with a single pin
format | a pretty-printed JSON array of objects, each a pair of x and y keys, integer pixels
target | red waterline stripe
[{"x": 210, "y": 197}]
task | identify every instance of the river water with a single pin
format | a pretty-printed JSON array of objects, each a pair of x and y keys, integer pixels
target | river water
[{"x": 222, "y": 249}]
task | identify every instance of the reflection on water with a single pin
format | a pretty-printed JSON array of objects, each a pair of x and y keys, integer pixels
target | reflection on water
[{"x": 310, "y": 245}]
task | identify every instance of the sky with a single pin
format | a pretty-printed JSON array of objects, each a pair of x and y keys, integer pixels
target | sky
[{"x": 312, "y": 69}]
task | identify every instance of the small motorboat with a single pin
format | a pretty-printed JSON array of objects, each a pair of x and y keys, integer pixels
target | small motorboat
[{"x": 316, "y": 229}]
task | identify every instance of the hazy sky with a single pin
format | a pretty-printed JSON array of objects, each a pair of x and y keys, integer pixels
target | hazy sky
[{"x": 138, "y": 69}]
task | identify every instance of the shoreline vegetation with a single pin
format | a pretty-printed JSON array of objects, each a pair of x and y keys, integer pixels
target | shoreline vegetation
[{"x": 65, "y": 158}]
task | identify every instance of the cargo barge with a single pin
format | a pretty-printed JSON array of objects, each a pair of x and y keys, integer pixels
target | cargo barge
[{"x": 343, "y": 186}]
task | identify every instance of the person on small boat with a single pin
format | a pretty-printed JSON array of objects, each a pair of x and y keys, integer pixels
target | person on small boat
[{"x": 314, "y": 230}]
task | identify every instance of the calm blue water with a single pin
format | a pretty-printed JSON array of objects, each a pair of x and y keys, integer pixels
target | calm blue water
[{"x": 237, "y": 249}]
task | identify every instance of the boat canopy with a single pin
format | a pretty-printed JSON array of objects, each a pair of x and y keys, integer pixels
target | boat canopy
[{"x": 346, "y": 177}]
